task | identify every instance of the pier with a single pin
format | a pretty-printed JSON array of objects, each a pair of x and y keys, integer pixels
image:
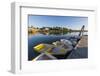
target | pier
[
  {"x": 81, "y": 49},
  {"x": 83, "y": 42}
]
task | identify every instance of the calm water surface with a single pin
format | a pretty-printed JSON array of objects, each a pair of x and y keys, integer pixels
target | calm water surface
[{"x": 34, "y": 40}]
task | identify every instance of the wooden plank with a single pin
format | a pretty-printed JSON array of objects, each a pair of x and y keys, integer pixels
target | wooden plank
[{"x": 83, "y": 42}]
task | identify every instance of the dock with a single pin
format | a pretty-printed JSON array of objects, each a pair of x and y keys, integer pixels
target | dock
[
  {"x": 83, "y": 42},
  {"x": 81, "y": 49}
]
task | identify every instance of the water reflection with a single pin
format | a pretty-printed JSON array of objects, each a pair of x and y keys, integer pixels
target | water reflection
[{"x": 36, "y": 39}]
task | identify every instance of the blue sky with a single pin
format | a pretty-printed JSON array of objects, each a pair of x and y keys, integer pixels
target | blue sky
[{"x": 72, "y": 22}]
